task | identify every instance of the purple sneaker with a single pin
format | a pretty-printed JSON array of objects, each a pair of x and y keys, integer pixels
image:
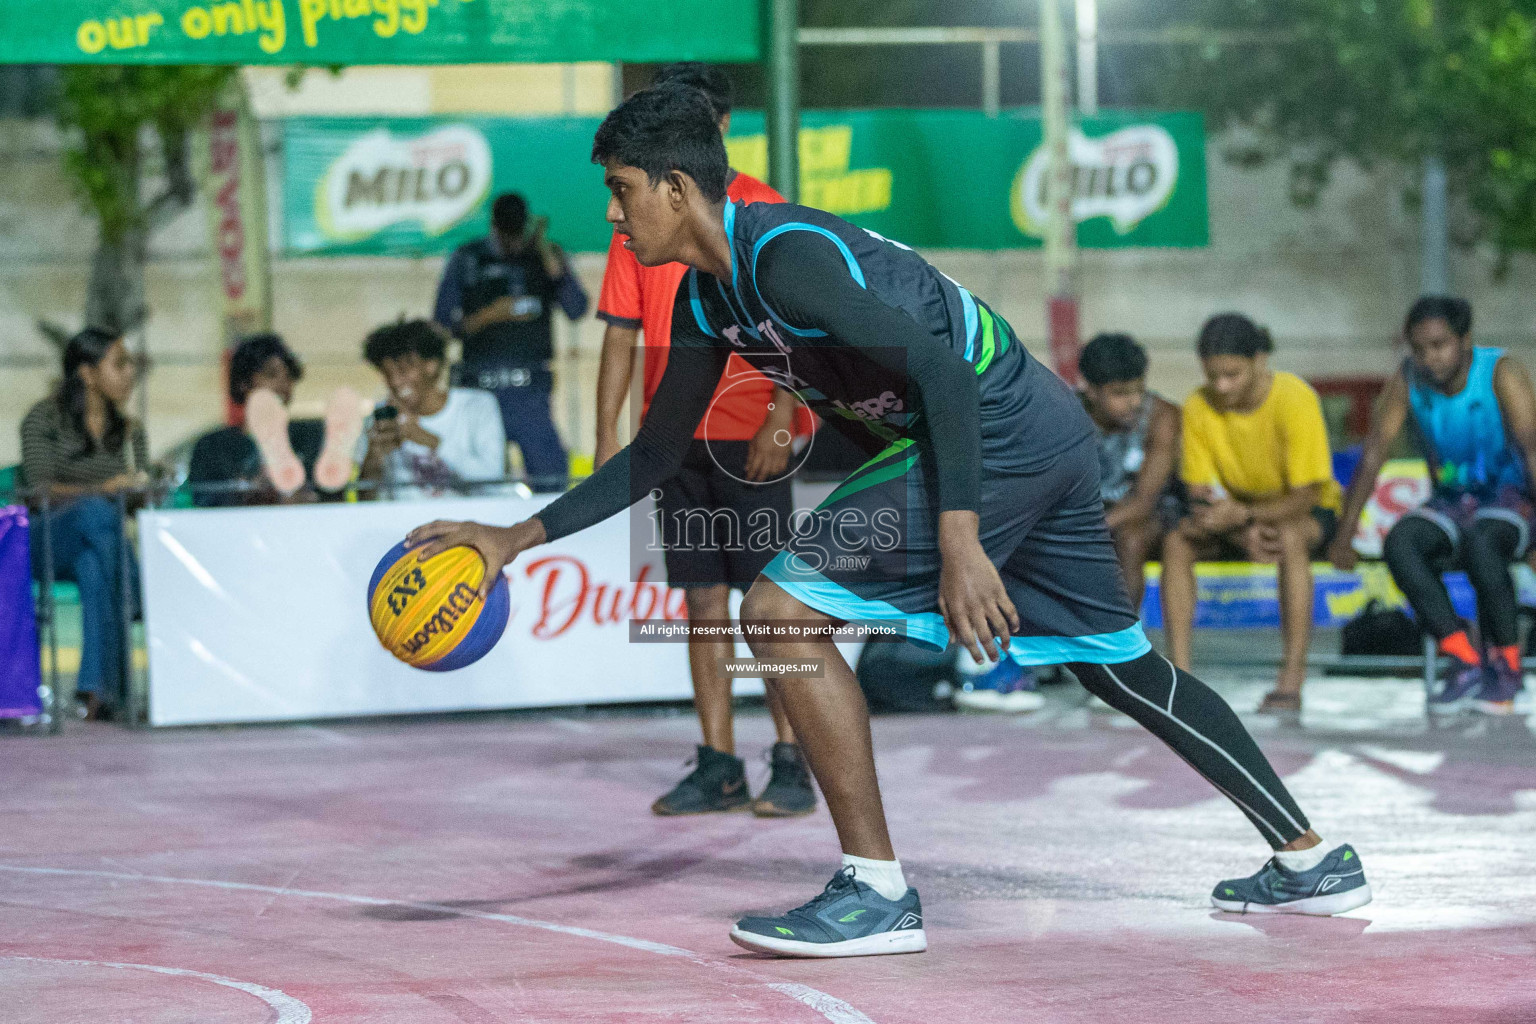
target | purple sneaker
[
  {"x": 1501, "y": 685},
  {"x": 1459, "y": 687}
]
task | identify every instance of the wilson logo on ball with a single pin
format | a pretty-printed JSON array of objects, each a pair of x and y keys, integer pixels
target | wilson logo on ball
[{"x": 429, "y": 614}]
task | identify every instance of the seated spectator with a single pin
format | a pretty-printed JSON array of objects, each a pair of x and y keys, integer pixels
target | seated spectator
[
  {"x": 1138, "y": 445},
  {"x": 1475, "y": 415},
  {"x": 427, "y": 438},
  {"x": 79, "y": 450},
  {"x": 228, "y": 457},
  {"x": 1260, "y": 480}
]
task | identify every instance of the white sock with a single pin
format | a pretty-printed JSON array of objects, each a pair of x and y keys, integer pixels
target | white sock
[
  {"x": 883, "y": 876},
  {"x": 1302, "y": 860}
]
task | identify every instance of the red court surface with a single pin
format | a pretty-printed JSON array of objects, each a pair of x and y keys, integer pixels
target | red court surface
[{"x": 506, "y": 868}]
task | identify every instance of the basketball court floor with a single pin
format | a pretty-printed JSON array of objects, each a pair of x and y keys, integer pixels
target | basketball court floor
[{"x": 506, "y": 868}]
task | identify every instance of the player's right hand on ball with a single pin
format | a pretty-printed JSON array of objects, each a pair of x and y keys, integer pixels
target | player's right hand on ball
[{"x": 497, "y": 545}]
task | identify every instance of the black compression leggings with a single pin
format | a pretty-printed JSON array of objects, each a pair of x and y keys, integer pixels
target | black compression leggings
[
  {"x": 1418, "y": 550},
  {"x": 1201, "y": 728}
]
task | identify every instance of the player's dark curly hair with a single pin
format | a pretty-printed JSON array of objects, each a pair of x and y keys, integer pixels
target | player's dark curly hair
[
  {"x": 251, "y": 355},
  {"x": 711, "y": 81},
  {"x": 1111, "y": 358},
  {"x": 1457, "y": 314},
  {"x": 403, "y": 338},
  {"x": 1232, "y": 334},
  {"x": 663, "y": 129}
]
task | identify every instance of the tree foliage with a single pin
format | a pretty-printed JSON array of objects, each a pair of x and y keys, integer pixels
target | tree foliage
[
  {"x": 114, "y": 116},
  {"x": 1380, "y": 80}
]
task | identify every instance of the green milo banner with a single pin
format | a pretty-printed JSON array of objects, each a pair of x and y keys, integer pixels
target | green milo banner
[
  {"x": 375, "y": 31},
  {"x": 941, "y": 179}
]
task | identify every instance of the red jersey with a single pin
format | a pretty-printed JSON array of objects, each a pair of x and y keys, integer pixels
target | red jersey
[{"x": 642, "y": 297}]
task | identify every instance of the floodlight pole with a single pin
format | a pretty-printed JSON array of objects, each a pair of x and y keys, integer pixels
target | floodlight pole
[
  {"x": 1435, "y": 252},
  {"x": 1088, "y": 57},
  {"x": 1061, "y": 229},
  {"x": 783, "y": 30}
]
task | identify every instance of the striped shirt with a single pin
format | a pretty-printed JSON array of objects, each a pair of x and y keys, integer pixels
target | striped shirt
[{"x": 53, "y": 451}]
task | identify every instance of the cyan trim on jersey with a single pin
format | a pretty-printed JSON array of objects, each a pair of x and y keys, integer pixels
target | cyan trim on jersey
[
  {"x": 968, "y": 303},
  {"x": 745, "y": 323},
  {"x": 811, "y": 588},
  {"x": 1124, "y": 645},
  {"x": 730, "y": 237},
  {"x": 698, "y": 307},
  {"x": 853, "y": 268}
]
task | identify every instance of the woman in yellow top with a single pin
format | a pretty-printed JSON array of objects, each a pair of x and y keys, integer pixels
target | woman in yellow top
[{"x": 1260, "y": 479}]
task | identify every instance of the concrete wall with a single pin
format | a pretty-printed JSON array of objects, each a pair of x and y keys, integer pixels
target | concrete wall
[{"x": 1332, "y": 283}]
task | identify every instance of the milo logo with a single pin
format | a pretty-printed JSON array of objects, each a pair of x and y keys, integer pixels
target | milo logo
[
  {"x": 1127, "y": 176},
  {"x": 436, "y": 179},
  {"x": 458, "y": 601}
]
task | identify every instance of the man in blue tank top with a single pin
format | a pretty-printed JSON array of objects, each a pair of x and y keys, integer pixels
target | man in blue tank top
[
  {"x": 1473, "y": 413},
  {"x": 977, "y": 520}
]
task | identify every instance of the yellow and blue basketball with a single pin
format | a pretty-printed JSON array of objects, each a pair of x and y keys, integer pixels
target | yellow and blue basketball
[{"x": 429, "y": 614}]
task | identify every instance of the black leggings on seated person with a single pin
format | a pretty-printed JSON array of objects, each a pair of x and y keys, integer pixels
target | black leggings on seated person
[{"x": 1419, "y": 550}]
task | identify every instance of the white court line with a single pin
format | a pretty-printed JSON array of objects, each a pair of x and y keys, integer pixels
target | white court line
[
  {"x": 289, "y": 1010},
  {"x": 833, "y": 1009}
]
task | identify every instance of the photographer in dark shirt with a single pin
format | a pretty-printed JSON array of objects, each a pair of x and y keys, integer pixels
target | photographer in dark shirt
[{"x": 497, "y": 295}]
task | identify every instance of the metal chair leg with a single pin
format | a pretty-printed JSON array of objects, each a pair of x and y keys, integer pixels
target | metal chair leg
[
  {"x": 1431, "y": 658},
  {"x": 51, "y": 620},
  {"x": 125, "y": 615}
]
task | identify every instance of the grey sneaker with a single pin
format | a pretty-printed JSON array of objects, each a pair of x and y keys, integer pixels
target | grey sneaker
[
  {"x": 1336, "y": 885},
  {"x": 788, "y": 793},
  {"x": 847, "y": 919},
  {"x": 718, "y": 782}
]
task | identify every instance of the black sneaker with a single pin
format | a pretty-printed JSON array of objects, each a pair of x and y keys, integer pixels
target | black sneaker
[
  {"x": 847, "y": 919},
  {"x": 1335, "y": 886},
  {"x": 718, "y": 782},
  {"x": 788, "y": 793}
]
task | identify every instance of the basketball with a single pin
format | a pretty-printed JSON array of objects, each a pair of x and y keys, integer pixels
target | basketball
[{"x": 429, "y": 615}]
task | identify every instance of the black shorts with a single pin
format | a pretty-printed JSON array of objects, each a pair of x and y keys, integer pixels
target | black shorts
[
  {"x": 874, "y": 557},
  {"x": 713, "y": 516}
]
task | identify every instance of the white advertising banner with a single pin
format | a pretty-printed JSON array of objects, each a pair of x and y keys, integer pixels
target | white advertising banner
[{"x": 260, "y": 614}]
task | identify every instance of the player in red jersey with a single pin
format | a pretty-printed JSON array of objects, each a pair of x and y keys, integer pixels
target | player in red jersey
[{"x": 738, "y": 467}]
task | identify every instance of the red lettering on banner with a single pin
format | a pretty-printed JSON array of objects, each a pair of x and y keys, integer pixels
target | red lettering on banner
[
  {"x": 225, "y": 146},
  {"x": 646, "y": 590},
  {"x": 567, "y": 593},
  {"x": 224, "y": 158},
  {"x": 232, "y": 239},
  {"x": 1397, "y": 495}
]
